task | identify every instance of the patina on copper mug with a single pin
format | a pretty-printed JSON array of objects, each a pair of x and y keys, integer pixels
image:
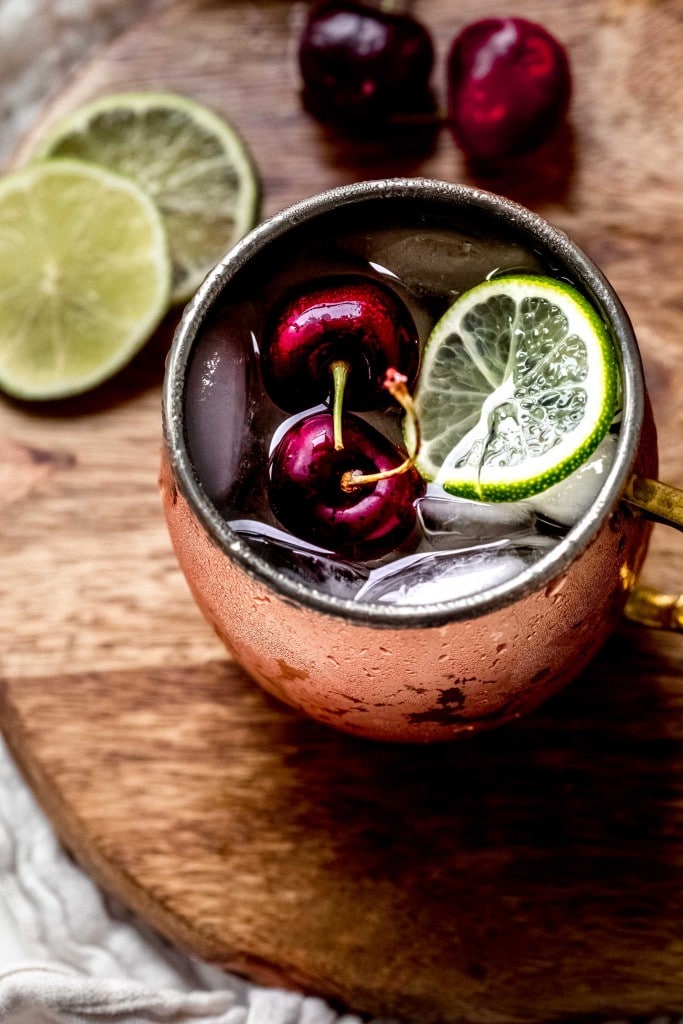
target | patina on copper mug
[{"x": 426, "y": 673}]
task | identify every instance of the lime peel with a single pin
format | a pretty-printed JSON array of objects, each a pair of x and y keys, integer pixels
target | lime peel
[{"x": 519, "y": 385}]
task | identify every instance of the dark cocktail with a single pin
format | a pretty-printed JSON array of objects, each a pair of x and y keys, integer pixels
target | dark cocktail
[{"x": 308, "y": 332}]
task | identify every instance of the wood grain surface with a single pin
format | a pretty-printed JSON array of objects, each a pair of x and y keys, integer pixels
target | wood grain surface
[{"x": 530, "y": 875}]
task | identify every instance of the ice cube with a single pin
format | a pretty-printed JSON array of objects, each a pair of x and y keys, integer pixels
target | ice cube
[
  {"x": 568, "y": 501},
  {"x": 456, "y": 522},
  {"x": 216, "y": 409},
  {"x": 444, "y": 263},
  {"x": 436, "y": 576},
  {"x": 315, "y": 567}
]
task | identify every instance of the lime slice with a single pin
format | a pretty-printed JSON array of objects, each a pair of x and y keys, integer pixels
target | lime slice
[
  {"x": 518, "y": 386},
  {"x": 189, "y": 160},
  {"x": 84, "y": 277}
]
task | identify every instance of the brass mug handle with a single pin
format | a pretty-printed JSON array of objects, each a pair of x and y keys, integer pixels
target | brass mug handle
[{"x": 661, "y": 503}]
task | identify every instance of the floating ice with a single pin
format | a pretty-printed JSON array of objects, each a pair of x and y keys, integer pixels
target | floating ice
[
  {"x": 436, "y": 576},
  {"x": 216, "y": 409},
  {"x": 456, "y": 522},
  {"x": 313, "y": 566},
  {"x": 568, "y": 501},
  {"x": 444, "y": 263}
]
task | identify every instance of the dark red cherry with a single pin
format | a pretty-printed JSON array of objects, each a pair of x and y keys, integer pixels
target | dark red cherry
[
  {"x": 508, "y": 87},
  {"x": 360, "y": 65},
  {"x": 307, "y": 494},
  {"x": 354, "y": 320}
]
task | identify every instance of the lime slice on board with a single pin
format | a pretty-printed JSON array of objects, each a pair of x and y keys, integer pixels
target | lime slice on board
[
  {"x": 189, "y": 160},
  {"x": 518, "y": 386},
  {"x": 84, "y": 277}
]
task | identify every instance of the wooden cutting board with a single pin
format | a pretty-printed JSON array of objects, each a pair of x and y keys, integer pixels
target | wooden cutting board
[{"x": 529, "y": 875}]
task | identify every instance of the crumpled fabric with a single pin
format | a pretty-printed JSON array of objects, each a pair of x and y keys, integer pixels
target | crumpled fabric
[
  {"x": 71, "y": 955},
  {"x": 41, "y": 41}
]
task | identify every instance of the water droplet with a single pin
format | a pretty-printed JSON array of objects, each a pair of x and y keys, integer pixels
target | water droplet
[{"x": 555, "y": 586}]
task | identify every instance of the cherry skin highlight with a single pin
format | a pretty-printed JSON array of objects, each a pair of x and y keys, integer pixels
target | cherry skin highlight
[
  {"x": 354, "y": 320},
  {"x": 360, "y": 64},
  {"x": 508, "y": 87},
  {"x": 307, "y": 496}
]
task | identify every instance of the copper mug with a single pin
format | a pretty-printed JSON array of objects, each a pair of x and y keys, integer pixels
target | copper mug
[{"x": 432, "y": 672}]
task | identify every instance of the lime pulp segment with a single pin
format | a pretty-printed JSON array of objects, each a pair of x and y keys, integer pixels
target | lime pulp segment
[
  {"x": 84, "y": 277},
  {"x": 518, "y": 386},
  {"x": 190, "y": 161}
]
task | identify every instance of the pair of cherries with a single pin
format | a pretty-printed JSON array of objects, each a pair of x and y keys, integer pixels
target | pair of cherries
[
  {"x": 508, "y": 79},
  {"x": 333, "y": 479}
]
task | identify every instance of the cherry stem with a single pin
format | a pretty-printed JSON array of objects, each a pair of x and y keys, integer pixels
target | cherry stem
[
  {"x": 397, "y": 385},
  {"x": 340, "y": 372}
]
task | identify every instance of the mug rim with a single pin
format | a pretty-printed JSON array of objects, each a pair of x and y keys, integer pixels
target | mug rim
[{"x": 532, "y": 579}]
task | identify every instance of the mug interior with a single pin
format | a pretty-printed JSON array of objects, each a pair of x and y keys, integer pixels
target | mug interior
[{"x": 417, "y": 202}]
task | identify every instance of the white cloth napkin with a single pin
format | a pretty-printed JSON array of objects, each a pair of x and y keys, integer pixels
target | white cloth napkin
[{"x": 71, "y": 955}]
